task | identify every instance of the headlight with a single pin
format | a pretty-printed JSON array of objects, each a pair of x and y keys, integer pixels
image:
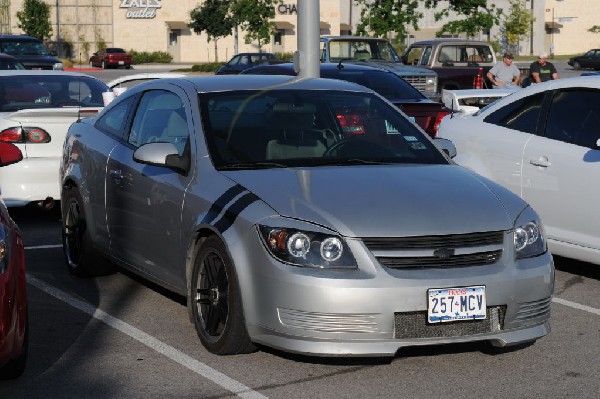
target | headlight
[
  {"x": 307, "y": 248},
  {"x": 58, "y": 66},
  {"x": 431, "y": 84},
  {"x": 528, "y": 235}
]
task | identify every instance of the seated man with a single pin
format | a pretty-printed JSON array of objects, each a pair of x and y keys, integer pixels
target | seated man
[
  {"x": 542, "y": 70},
  {"x": 505, "y": 74}
]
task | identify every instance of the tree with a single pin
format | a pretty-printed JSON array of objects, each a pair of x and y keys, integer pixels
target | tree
[
  {"x": 214, "y": 18},
  {"x": 478, "y": 16},
  {"x": 517, "y": 24},
  {"x": 594, "y": 29},
  {"x": 254, "y": 16},
  {"x": 34, "y": 19},
  {"x": 379, "y": 17}
]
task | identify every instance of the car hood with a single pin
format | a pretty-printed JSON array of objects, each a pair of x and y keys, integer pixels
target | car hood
[
  {"x": 37, "y": 58},
  {"x": 394, "y": 200},
  {"x": 398, "y": 68}
]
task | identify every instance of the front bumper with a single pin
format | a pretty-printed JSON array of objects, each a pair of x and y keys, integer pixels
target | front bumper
[
  {"x": 357, "y": 313},
  {"x": 31, "y": 180}
]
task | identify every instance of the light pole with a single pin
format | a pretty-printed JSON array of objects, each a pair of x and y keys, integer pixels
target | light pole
[
  {"x": 531, "y": 31},
  {"x": 59, "y": 47}
]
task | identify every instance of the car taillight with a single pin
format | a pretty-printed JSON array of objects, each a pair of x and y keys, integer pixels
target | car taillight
[
  {"x": 438, "y": 120},
  {"x": 351, "y": 124},
  {"x": 478, "y": 80},
  {"x": 32, "y": 135}
]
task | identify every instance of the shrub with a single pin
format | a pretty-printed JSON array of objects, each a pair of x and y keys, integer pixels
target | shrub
[
  {"x": 287, "y": 57},
  {"x": 145, "y": 57},
  {"x": 206, "y": 67}
]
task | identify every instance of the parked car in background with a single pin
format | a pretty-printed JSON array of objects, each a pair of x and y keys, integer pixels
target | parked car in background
[
  {"x": 36, "y": 109},
  {"x": 8, "y": 62},
  {"x": 309, "y": 215},
  {"x": 471, "y": 101},
  {"x": 591, "y": 59},
  {"x": 111, "y": 57},
  {"x": 30, "y": 52},
  {"x": 377, "y": 52},
  {"x": 542, "y": 142},
  {"x": 244, "y": 61},
  {"x": 423, "y": 111},
  {"x": 14, "y": 325}
]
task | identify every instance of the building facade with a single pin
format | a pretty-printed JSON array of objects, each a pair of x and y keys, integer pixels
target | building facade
[{"x": 560, "y": 27}]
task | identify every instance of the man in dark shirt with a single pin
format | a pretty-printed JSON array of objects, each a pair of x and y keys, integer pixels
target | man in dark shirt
[{"x": 542, "y": 70}]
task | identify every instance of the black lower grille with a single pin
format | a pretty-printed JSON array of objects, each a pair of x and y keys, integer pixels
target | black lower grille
[
  {"x": 445, "y": 241},
  {"x": 476, "y": 259},
  {"x": 411, "y": 325}
]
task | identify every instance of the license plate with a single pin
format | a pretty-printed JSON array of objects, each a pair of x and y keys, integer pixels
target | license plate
[
  {"x": 121, "y": 62},
  {"x": 456, "y": 304}
]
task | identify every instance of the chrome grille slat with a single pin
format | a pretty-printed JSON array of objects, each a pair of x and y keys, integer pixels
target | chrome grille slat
[{"x": 446, "y": 241}]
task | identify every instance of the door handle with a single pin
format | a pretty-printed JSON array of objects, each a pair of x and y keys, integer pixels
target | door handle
[
  {"x": 116, "y": 174},
  {"x": 541, "y": 161}
]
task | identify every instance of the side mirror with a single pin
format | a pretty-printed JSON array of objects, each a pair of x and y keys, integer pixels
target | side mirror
[
  {"x": 9, "y": 154},
  {"x": 446, "y": 146}
]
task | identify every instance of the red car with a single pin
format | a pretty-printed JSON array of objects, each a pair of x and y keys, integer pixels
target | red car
[
  {"x": 13, "y": 296},
  {"x": 111, "y": 57}
]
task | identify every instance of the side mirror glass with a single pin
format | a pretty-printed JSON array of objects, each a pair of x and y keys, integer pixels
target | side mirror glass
[{"x": 446, "y": 146}]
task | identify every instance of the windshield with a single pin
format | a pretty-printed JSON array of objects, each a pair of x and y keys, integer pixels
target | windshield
[
  {"x": 49, "y": 91},
  {"x": 362, "y": 51},
  {"x": 281, "y": 128},
  {"x": 10, "y": 65},
  {"x": 16, "y": 47}
]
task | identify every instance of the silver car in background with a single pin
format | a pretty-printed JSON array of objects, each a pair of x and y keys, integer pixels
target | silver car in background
[{"x": 306, "y": 215}]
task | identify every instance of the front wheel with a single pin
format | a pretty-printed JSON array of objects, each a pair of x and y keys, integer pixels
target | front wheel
[
  {"x": 103, "y": 64},
  {"x": 576, "y": 65},
  {"x": 216, "y": 301},
  {"x": 81, "y": 259},
  {"x": 14, "y": 368}
]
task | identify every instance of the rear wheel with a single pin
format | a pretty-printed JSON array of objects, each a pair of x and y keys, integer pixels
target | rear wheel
[
  {"x": 217, "y": 303},
  {"x": 82, "y": 260}
]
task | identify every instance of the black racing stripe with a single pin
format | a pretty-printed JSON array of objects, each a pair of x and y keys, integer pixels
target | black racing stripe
[
  {"x": 223, "y": 200},
  {"x": 234, "y": 210}
]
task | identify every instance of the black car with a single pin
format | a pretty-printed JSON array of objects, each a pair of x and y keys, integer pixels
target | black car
[
  {"x": 244, "y": 61},
  {"x": 30, "y": 52},
  {"x": 591, "y": 59},
  {"x": 9, "y": 63},
  {"x": 425, "y": 112}
]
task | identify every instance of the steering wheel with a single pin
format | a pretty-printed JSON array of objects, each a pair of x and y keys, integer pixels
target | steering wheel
[{"x": 336, "y": 146}]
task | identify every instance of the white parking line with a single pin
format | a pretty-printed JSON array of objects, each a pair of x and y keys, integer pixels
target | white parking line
[
  {"x": 576, "y": 305},
  {"x": 194, "y": 365}
]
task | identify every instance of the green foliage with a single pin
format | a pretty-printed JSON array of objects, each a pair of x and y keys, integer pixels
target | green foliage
[
  {"x": 287, "y": 57},
  {"x": 380, "y": 17},
  {"x": 145, "y": 57},
  {"x": 34, "y": 19},
  {"x": 594, "y": 29},
  {"x": 478, "y": 16},
  {"x": 253, "y": 16},
  {"x": 212, "y": 17},
  {"x": 206, "y": 67},
  {"x": 517, "y": 23}
]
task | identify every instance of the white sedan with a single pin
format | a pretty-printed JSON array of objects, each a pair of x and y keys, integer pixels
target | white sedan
[
  {"x": 36, "y": 109},
  {"x": 542, "y": 143}
]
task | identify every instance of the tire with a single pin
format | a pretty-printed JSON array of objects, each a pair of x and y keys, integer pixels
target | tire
[
  {"x": 576, "y": 65},
  {"x": 16, "y": 367},
  {"x": 82, "y": 260},
  {"x": 216, "y": 301},
  {"x": 104, "y": 65}
]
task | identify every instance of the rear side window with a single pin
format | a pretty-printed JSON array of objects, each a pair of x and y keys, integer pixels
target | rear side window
[
  {"x": 574, "y": 117},
  {"x": 113, "y": 120},
  {"x": 521, "y": 115},
  {"x": 465, "y": 54}
]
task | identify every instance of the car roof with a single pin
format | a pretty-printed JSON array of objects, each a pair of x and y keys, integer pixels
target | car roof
[
  {"x": 20, "y": 37},
  {"x": 263, "y": 53},
  {"x": 452, "y": 41},
  {"x": 350, "y": 37},
  {"x": 213, "y": 83},
  {"x": 327, "y": 66},
  {"x": 27, "y": 72}
]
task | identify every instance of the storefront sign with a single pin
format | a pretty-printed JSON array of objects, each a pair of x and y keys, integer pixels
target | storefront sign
[
  {"x": 287, "y": 9},
  {"x": 141, "y": 9}
]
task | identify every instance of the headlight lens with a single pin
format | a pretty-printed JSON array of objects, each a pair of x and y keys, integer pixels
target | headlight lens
[
  {"x": 529, "y": 237},
  {"x": 307, "y": 248},
  {"x": 58, "y": 66}
]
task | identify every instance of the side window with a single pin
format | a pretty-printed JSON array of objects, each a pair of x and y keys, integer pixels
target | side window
[
  {"x": 426, "y": 56},
  {"x": 521, "y": 115},
  {"x": 414, "y": 55},
  {"x": 113, "y": 121},
  {"x": 323, "y": 50},
  {"x": 574, "y": 117},
  {"x": 160, "y": 117}
]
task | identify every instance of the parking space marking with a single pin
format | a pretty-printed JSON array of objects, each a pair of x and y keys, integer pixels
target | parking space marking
[
  {"x": 194, "y": 365},
  {"x": 576, "y": 305}
]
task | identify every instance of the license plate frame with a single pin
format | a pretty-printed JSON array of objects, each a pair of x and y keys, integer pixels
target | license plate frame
[
  {"x": 121, "y": 62},
  {"x": 456, "y": 304}
]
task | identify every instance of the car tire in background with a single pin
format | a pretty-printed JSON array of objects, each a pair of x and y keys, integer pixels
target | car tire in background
[
  {"x": 104, "y": 65},
  {"x": 216, "y": 301},
  {"x": 80, "y": 256},
  {"x": 576, "y": 66}
]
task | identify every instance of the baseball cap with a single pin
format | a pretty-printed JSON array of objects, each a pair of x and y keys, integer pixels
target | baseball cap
[
  {"x": 543, "y": 54},
  {"x": 509, "y": 56}
]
